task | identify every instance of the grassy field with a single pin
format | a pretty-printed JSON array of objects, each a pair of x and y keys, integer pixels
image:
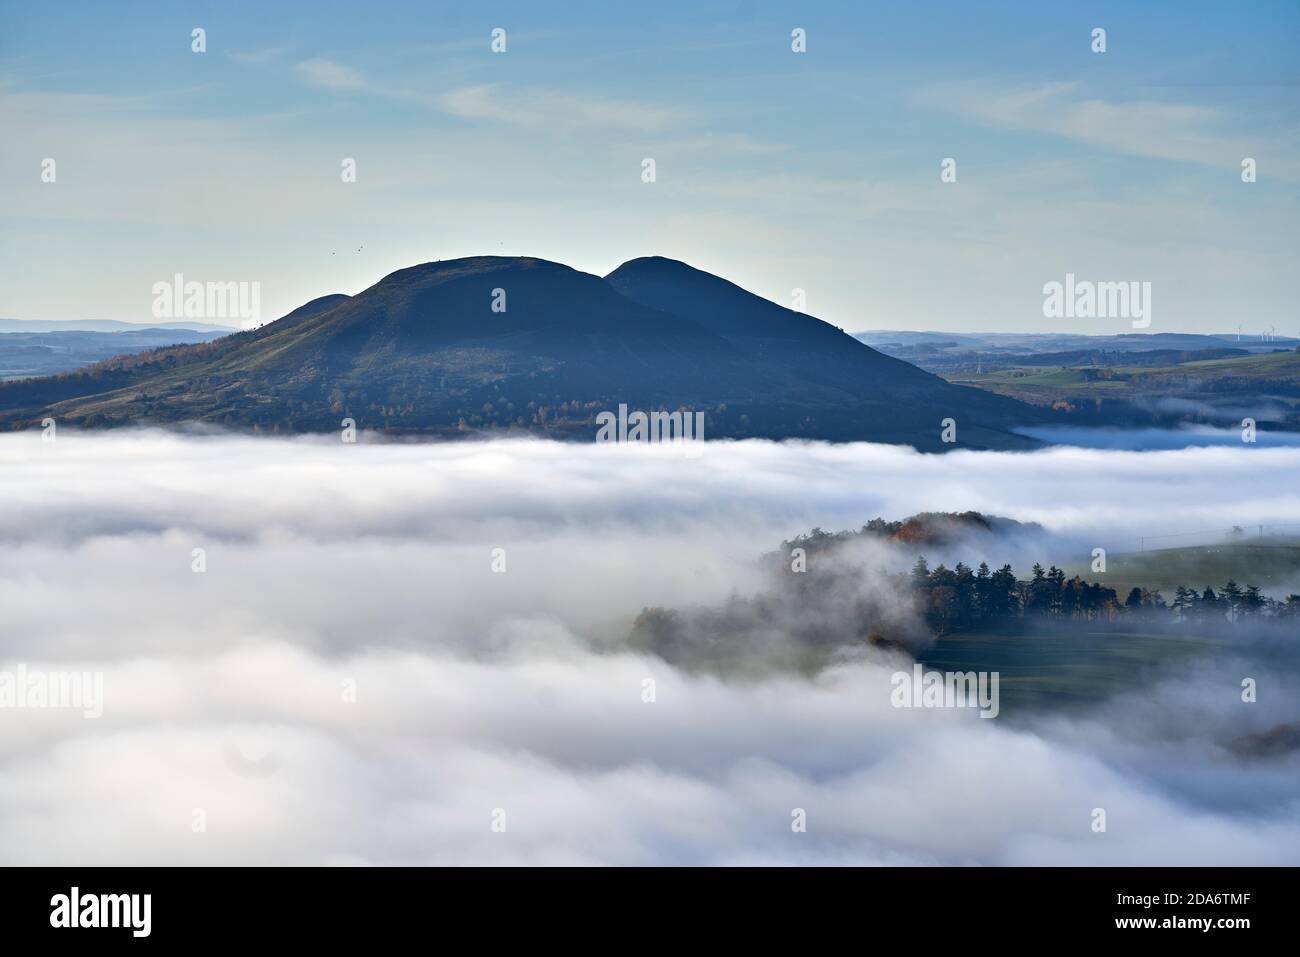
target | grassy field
[
  {"x": 1272, "y": 563},
  {"x": 1045, "y": 669},
  {"x": 1070, "y": 668}
]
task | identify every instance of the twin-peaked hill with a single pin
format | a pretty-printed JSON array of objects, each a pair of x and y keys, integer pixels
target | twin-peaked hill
[{"x": 423, "y": 352}]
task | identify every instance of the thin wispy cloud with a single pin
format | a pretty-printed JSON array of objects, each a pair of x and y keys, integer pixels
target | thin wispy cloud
[
  {"x": 264, "y": 55},
  {"x": 527, "y": 107},
  {"x": 533, "y": 108},
  {"x": 1186, "y": 132},
  {"x": 334, "y": 76}
]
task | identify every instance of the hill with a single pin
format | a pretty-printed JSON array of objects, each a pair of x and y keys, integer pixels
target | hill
[{"x": 423, "y": 351}]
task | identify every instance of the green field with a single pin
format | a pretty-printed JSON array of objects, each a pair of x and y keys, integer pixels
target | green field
[
  {"x": 1049, "y": 670},
  {"x": 1070, "y": 667},
  {"x": 1272, "y": 563}
]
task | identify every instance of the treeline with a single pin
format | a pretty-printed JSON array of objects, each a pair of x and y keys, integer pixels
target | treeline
[{"x": 959, "y": 598}]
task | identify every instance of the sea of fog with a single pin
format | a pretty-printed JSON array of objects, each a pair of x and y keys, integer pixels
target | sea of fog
[
  {"x": 1151, "y": 439},
  {"x": 391, "y": 648}
]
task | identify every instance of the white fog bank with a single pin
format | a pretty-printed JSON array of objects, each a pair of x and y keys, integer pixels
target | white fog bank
[{"x": 348, "y": 680}]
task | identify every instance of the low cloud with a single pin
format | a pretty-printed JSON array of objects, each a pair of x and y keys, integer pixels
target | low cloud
[
  {"x": 1164, "y": 439},
  {"x": 332, "y": 567}
]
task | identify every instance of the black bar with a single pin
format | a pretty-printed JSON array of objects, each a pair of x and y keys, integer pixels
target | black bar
[{"x": 937, "y": 908}]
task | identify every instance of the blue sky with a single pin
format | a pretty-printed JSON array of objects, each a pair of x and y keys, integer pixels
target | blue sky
[{"x": 777, "y": 170}]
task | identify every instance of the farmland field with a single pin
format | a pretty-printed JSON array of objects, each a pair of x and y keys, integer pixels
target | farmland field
[
  {"x": 1272, "y": 563},
  {"x": 1049, "y": 669}
]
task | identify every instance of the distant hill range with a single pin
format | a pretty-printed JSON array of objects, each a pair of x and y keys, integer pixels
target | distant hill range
[
  {"x": 1161, "y": 379},
  {"x": 107, "y": 325},
  {"x": 964, "y": 352},
  {"x": 424, "y": 352},
  {"x": 37, "y": 352},
  {"x": 1026, "y": 343}
]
